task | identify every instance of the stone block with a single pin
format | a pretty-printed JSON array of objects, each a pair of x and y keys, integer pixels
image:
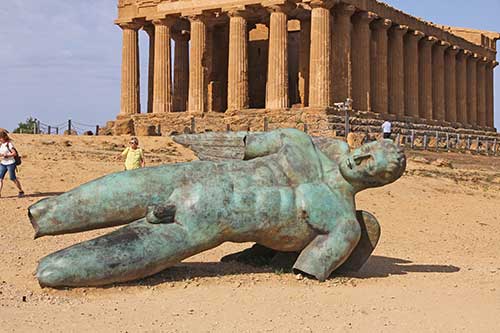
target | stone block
[
  {"x": 124, "y": 127},
  {"x": 356, "y": 140},
  {"x": 145, "y": 130}
]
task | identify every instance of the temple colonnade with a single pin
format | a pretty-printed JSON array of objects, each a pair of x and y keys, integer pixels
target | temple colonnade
[{"x": 387, "y": 68}]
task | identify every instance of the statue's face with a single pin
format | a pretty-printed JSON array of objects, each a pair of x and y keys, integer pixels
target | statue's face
[{"x": 374, "y": 164}]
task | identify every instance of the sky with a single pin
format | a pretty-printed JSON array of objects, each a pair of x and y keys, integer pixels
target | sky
[{"x": 61, "y": 59}]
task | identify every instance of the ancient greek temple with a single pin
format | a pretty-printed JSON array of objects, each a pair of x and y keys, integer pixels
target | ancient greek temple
[{"x": 233, "y": 62}]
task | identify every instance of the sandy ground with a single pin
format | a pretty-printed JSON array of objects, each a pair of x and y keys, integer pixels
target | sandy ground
[{"x": 436, "y": 269}]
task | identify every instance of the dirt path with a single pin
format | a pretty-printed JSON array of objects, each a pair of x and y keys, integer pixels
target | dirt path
[{"x": 436, "y": 269}]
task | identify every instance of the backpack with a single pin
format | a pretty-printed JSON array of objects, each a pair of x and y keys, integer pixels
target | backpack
[{"x": 17, "y": 158}]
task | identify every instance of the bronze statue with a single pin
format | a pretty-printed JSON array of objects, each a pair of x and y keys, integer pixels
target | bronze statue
[{"x": 282, "y": 190}]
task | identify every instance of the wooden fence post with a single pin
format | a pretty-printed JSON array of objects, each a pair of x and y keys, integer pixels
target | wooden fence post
[
  {"x": 193, "y": 125},
  {"x": 495, "y": 147},
  {"x": 412, "y": 138},
  {"x": 437, "y": 141},
  {"x": 97, "y": 130},
  {"x": 425, "y": 141},
  {"x": 69, "y": 127},
  {"x": 266, "y": 124},
  {"x": 447, "y": 142},
  {"x": 49, "y": 129},
  {"x": 57, "y": 130},
  {"x": 468, "y": 143},
  {"x": 477, "y": 147},
  {"x": 305, "y": 128}
]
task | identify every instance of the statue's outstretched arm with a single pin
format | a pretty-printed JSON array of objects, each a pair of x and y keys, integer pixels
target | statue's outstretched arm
[{"x": 330, "y": 250}]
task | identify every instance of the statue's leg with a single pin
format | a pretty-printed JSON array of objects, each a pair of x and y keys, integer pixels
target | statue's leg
[
  {"x": 370, "y": 235},
  {"x": 135, "y": 251}
]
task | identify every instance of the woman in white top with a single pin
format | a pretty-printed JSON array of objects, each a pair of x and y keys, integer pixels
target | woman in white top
[{"x": 8, "y": 162}]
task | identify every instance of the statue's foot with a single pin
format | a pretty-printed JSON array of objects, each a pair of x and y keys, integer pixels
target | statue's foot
[
  {"x": 370, "y": 235},
  {"x": 257, "y": 255}
]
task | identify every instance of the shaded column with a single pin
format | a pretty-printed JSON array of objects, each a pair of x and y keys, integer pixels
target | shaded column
[
  {"x": 130, "y": 100},
  {"x": 411, "y": 63},
  {"x": 150, "y": 30},
  {"x": 181, "y": 70},
  {"x": 304, "y": 60},
  {"x": 361, "y": 82},
  {"x": 162, "y": 95},
  {"x": 320, "y": 74},
  {"x": 341, "y": 61},
  {"x": 472, "y": 89},
  {"x": 438, "y": 87},
  {"x": 451, "y": 84},
  {"x": 425, "y": 87},
  {"x": 379, "y": 70},
  {"x": 462, "y": 86},
  {"x": 277, "y": 72},
  {"x": 396, "y": 70},
  {"x": 237, "y": 88},
  {"x": 490, "y": 101},
  {"x": 197, "y": 100},
  {"x": 481, "y": 92}
]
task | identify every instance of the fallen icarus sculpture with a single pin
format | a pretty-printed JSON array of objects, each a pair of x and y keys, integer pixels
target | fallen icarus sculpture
[{"x": 282, "y": 190}]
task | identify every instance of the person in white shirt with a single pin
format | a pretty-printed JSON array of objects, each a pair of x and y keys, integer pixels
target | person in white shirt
[
  {"x": 387, "y": 129},
  {"x": 8, "y": 162}
]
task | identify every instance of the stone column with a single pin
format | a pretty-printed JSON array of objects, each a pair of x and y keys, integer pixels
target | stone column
[
  {"x": 181, "y": 70},
  {"x": 411, "y": 56},
  {"x": 304, "y": 60},
  {"x": 130, "y": 100},
  {"x": 472, "y": 90},
  {"x": 438, "y": 86},
  {"x": 320, "y": 74},
  {"x": 361, "y": 82},
  {"x": 277, "y": 72},
  {"x": 396, "y": 70},
  {"x": 150, "y": 30},
  {"x": 462, "y": 86},
  {"x": 451, "y": 84},
  {"x": 197, "y": 101},
  {"x": 237, "y": 87},
  {"x": 341, "y": 61},
  {"x": 481, "y": 92},
  {"x": 490, "y": 100},
  {"x": 425, "y": 86},
  {"x": 379, "y": 70},
  {"x": 162, "y": 95}
]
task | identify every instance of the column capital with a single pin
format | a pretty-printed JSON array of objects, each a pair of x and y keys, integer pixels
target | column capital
[
  {"x": 416, "y": 35},
  {"x": 130, "y": 26},
  {"x": 442, "y": 45},
  {"x": 492, "y": 64},
  {"x": 328, "y": 4},
  {"x": 206, "y": 18},
  {"x": 238, "y": 12},
  {"x": 344, "y": 10},
  {"x": 399, "y": 29},
  {"x": 483, "y": 60},
  {"x": 365, "y": 17},
  {"x": 474, "y": 57},
  {"x": 429, "y": 40},
  {"x": 285, "y": 7},
  {"x": 168, "y": 21},
  {"x": 382, "y": 24},
  {"x": 453, "y": 50},
  {"x": 462, "y": 54}
]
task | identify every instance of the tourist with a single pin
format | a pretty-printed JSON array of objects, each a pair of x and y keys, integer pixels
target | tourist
[
  {"x": 8, "y": 156},
  {"x": 387, "y": 129},
  {"x": 134, "y": 155}
]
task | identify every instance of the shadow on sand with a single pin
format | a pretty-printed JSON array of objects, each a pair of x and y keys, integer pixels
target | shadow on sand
[
  {"x": 37, "y": 195},
  {"x": 376, "y": 267}
]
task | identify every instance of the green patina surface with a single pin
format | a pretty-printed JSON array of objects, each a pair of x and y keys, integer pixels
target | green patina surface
[{"x": 285, "y": 192}]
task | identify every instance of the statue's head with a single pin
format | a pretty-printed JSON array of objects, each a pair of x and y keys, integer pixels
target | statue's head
[{"x": 374, "y": 164}]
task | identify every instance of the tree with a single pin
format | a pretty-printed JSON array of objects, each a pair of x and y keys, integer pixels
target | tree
[{"x": 26, "y": 127}]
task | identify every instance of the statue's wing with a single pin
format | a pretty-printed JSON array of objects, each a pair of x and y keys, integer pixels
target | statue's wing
[{"x": 215, "y": 146}]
